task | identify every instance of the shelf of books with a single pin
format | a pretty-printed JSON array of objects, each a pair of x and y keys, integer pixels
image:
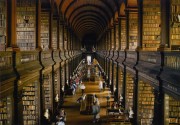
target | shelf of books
[
  {"x": 110, "y": 72},
  {"x": 172, "y": 111},
  {"x": 6, "y": 111},
  {"x": 45, "y": 17},
  {"x": 123, "y": 34},
  {"x": 129, "y": 91},
  {"x": 57, "y": 82},
  {"x": 145, "y": 103},
  {"x": 151, "y": 24},
  {"x": 133, "y": 30},
  {"x": 54, "y": 34},
  {"x": 114, "y": 76},
  {"x": 63, "y": 76},
  {"x": 67, "y": 71},
  {"x": 60, "y": 36},
  {"x": 175, "y": 24},
  {"x": 30, "y": 104},
  {"x": 26, "y": 24},
  {"x": 120, "y": 81},
  {"x": 47, "y": 87},
  {"x": 117, "y": 37},
  {"x": 2, "y": 25},
  {"x": 112, "y": 38}
]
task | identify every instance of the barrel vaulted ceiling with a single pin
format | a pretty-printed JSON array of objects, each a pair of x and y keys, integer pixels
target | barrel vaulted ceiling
[
  {"x": 88, "y": 16},
  {"x": 91, "y": 16}
]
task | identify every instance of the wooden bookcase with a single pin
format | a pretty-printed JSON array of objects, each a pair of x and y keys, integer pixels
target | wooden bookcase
[
  {"x": 114, "y": 76},
  {"x": 129, "y": 91},
  {"x": 30, "y": 104},
  {"x": 2, "y": 24},
  {"x": 145, "y": 103},
  {"x": 120, "y": 81},
  {"x": 123, "y": 34},
  {"x": 133, "y": 30},
  {"x": 112, "y": 38},
  {"x": 175, "y": 24},
  {"x": 47, "y": 87},
  {"x": 6, "y": 111},
  {"x": 45, "y": 17},
  {"x": 151, "y": 24},
  {"x": 117, "y": 37},
  {"x": 54, "y": 34},
  {"x": 172, "y": 111},
  {"x": 26, "y": 24}
]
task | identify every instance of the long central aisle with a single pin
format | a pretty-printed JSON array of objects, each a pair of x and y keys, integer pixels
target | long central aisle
[{"x": 72, "y": 108}]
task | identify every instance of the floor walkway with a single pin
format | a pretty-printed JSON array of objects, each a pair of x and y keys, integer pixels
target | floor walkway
[{"x": 72, "y": 108}]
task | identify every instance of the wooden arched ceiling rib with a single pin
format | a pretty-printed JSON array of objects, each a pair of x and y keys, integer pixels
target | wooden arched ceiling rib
[
  {"x": 109, "y": 8},
  {"x": 92, "y": 7},
  {"x": 91, "y": 23},
  {"x": 87, "y": 17},
  {"x": 89, "y": 13},
  {"x": 84, "y": 32}
]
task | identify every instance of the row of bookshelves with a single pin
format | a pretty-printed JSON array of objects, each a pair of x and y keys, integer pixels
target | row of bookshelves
[
  {"x": 129, "y": 91},
  {"x": 2, "y": 25},
  {"x": 30, "y": 103},
  {"x": 145, "y": 103},
  {"x": 47, "y": 91},
  {"x": 5, "y": 110},
  {"x": 123, "y": 34}
]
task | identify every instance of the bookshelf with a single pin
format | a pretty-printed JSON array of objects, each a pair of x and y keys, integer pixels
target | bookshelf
[
  {"x": 5, "y": 111},
  {"x": 2, "y": 25},
  {"x": 123, "y": 34},
  {"x": 133, "y": 30},
  {"x": 120, "y": 81},
  {"x": 145, "y": 104},
  {"x": 129, "y": 91},
  {"x": 30, "y": 104},
  {"x": 56, "y": 82},
  {"x": 172, "y": 111},
  {"x": 54, "y": 34},
  {"x": 151, "y": 24},
  {"x": 45, "y": 17},
  {"x": 175, "y": 24},
  {"x": 114, "y": 76},
  {"x": 47, "y": 87},
  {"x": 112, "y": 38},
  {"x": 26, "y": 24},
  {"x": 60, "y": 36},
  {"x": 117, "y": 37}
]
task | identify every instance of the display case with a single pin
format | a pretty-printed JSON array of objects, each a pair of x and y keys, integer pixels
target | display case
[
  {"x": 172, "y": 111},
  {"x": 26, "y": 24},
  {"x": 151, "y": 24},
  {"x": 133, "y": 30},
  {"x": 2, "y": 25},
  {"x": 6, "y": 111},
  {"x": 123, "y": 34},
  {"x": 54, "y": 34},
  {"x": 30, "y": 104},
  {"x": 45, "y": 17},
  {"x": 145, "y": 103},
  {"x": 175, "y": 24},
  {"x": 129, "y": 91}
]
